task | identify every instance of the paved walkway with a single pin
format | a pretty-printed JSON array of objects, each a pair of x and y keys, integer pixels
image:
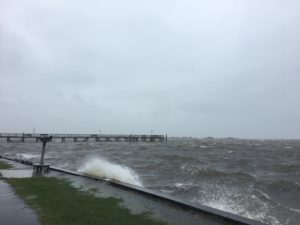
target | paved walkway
[{"x": 13, "y": 210}]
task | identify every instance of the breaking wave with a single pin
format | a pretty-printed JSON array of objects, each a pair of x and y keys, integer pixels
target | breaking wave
[
  {"x": 241, "y": 202},
  {"x": 102, "y": 168},
  {"x": 26, "y": 156}
]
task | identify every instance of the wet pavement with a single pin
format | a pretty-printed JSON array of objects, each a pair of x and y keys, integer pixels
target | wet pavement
[
  {"x": 20, "y": 173},
  {"x": 13, "y": 210}
]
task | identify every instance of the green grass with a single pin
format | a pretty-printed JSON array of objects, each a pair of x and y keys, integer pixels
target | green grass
[
  {"x": 58, "y": 203},
  {"x": 5, "y": 166}
]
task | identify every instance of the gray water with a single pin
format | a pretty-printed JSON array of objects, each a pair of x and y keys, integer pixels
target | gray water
[{"x": 258, "y": 179}]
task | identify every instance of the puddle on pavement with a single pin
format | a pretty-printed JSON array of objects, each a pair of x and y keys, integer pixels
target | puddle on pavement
[
  {"x": 16, "y": 173},
  {"x": 13, "y": 210}
]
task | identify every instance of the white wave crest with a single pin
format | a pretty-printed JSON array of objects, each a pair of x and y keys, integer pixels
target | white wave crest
[
  {"x": 241, "y": 202},
  {"x": 26, "y": 156},
  {"x": 295, "y": 210},
  {"x": 102, "y": 168}
]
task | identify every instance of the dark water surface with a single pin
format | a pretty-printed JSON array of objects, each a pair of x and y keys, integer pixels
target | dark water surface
[{"x": 258, "y": 179}]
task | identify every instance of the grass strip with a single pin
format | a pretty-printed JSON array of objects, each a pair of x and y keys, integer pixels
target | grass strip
[
  {"x": 58, "y": 203},
  {"x": 5, "y": 166}
]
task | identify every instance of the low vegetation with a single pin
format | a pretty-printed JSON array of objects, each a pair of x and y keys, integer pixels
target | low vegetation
[
  {"x": 5, "y": 166},
  {"x": 58, "y": 203}
]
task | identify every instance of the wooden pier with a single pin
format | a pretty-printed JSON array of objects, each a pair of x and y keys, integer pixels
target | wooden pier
[
  {"x": 22, "y": 137},
  {"x": 45, "y": 138}
]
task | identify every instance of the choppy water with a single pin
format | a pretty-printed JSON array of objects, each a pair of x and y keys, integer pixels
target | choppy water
[{"x": 259, "y": 179}]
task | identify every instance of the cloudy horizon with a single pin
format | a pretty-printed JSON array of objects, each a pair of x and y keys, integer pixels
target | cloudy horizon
[{"x": 185, "y": 68}]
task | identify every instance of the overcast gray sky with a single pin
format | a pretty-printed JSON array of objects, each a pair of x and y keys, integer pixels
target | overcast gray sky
[{"x": 183, "y": 67}]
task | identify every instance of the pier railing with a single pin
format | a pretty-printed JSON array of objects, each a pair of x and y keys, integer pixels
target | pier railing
[{"x": 86, "y": 137}]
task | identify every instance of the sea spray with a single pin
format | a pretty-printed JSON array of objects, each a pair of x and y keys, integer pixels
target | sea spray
[
  {"x": 102, "y": 168},
  {"x": 26, "y": 156},
  {"x": 242, "y": 200}
]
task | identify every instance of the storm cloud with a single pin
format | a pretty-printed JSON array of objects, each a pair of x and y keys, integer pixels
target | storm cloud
[{"x": 186, "y": 68}]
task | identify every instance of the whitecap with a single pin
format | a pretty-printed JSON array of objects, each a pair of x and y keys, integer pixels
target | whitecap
[
  {"x": 203, "y": 146},
  {"x": 27, "y": 156},
  {"x": 102, "y": 168}
]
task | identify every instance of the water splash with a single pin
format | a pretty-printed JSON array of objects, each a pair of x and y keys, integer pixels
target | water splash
[
  {"x": 102, "y": 168},
  {"x": 242, "y": 202}
]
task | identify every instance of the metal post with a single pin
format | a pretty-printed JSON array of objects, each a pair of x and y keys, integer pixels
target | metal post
[
  {"x": 44, "y": 140},
  {"x": 43, "y": 153}
]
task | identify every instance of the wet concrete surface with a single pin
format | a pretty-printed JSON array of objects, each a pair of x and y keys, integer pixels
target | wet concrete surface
[
  {"x": 13, "y": 210},
  {"x": 12, "y": 173},
  {"x": 16, "y": 165}
]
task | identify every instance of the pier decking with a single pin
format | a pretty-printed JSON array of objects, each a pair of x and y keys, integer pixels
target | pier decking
[{"x": 22, "y": 137}]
